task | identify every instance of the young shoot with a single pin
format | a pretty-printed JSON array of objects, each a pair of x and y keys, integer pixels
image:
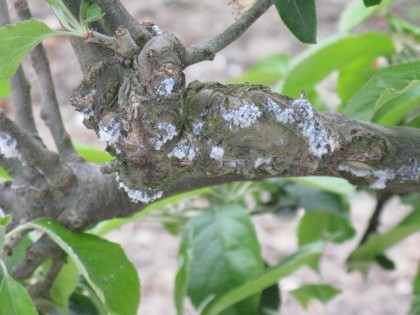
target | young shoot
[{"x": 89, "y": 12}]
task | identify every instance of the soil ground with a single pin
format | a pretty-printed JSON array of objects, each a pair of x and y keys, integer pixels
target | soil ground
[{"x": 153, "y": 250}]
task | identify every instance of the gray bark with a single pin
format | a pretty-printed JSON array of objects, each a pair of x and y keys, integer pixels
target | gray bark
[{"x": 168, "y": 138}]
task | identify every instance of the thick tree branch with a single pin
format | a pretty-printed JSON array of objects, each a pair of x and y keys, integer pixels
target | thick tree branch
[
  {"x": 165, "y": 136},
  {"x": 208, "y": 50},
  {"x": 50, "y": 109}
]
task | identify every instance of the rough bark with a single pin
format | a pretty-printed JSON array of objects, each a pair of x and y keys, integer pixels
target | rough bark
[
  {"x": 165, "y": 135},
  {"x": 168, "y": 138}
]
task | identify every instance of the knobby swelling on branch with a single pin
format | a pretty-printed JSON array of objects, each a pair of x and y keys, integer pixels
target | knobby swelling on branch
[{"x": 165, "y": 135}]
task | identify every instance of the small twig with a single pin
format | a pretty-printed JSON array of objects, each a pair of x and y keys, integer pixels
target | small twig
[
  {"x": 372, "y": 227},
  {"x": 208, "y": 50},
  {"x": 24, "y": 147},
  {"x": 7, "y": 199},
  {"x": 41, "y": 251},
  {"x": 122, "y": 43},
  {"x": 15, "y": 169},
  {"x": 22, "y": 109},
  {"x": 22, "y": 102},
  {"x": 4, "y": 13},
  {"x": 116, "y": 15},
  {"x": 50, "y": 111},
  {"x": 21, "y": 89},
  {"x": 41, "y": 287}
]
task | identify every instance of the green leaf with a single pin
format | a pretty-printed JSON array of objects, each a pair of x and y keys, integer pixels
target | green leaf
[
  {"x": 317, "y": 63},
  {"x": 414, "y": 120},
  {"x": 266, "y": 71},
  {"x": 381, "y": 88},
  {"x": 394, "y": 111},
  {"x": 303, "y": 256},
  {"x": 411, "y": 199},
  {"x": 270, "y": 300},
  {"x": 4, "y": 176},
  {"x": 56, "y": 3},
  {"x": 319, "y": 225},
  {"x": 300, "y": 17},
  {"x": 314, "y": 226},
  {"x": 84, "y": 6},
  {"x": 94, "y": 13},
  {"x": 314, "y": 199},
  {"x": 354, "y": 14},
  {"x": 109, "y": 225},
  {"x": 369, "y": 3},
  {"x": 66, "y": 18},
  {"x": 64, "y": 285},
  {"x": 335, "y": 185},
  {"x": 364, "y": 255},
  {"x": 352, "y": 76},
  {"x": 82, "y": 304},
  {"x": 415, "y": 306},
  {"x": 17, "y": 40},
  {"x": 13, "y": 297},
  {"x": 92, "y": 154},
  {"x": 89, "y": 12},
  {"x": 321, "y": 292},
  {"x": 4, "y": 220},
  {"x": 226, "y": 254},
  {"x": 385, "y": 262},
  {"x": 416, "y": 282},
  {"x": 102, "y": 263},
  {"x": 402, "y": 26},
  {"x": 185, "y": 256},
  {"x": 4, "y": 88}
]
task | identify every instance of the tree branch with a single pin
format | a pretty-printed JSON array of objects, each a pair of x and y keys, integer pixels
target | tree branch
[
  {"x": 117, "y": 15},
  {"x": 382, "y": 199},
  {"x": 50, "y": 109},
  {"x": 39, "y": 252},
  {"x": 167, "y": 138},
  {"x": 4, "y": 13},
  {"x": 121, "y": 43},
  {"x": 208, "y": 50},
  {"x": 21, "y": 89},
  {"x": 15, "y": 169},
  {"x": 17, "y": 143},
  {"x": 21, "y": 96},
  {"x": 37, "y": 289}
]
